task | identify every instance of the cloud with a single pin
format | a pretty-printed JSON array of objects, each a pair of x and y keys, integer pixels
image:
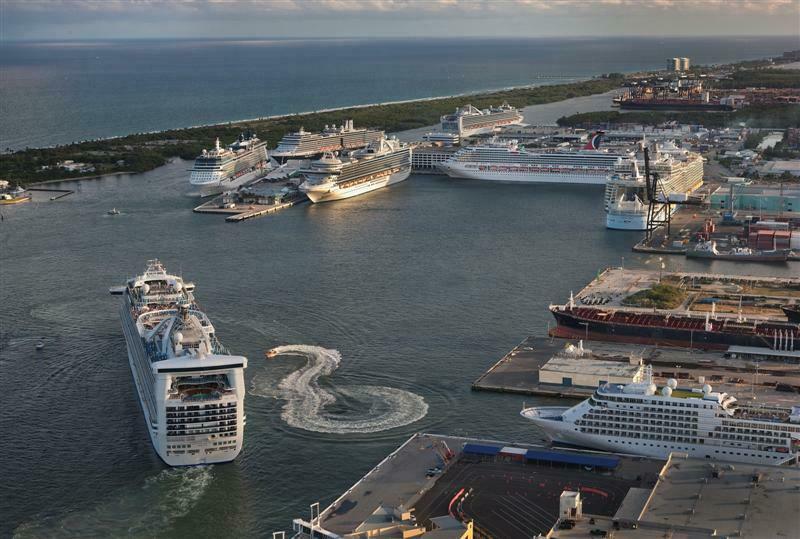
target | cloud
[{"x": 394, "y": 6}]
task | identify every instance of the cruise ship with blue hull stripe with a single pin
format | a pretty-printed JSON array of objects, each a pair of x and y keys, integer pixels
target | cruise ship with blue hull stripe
[{"x": 191, "y": 389}]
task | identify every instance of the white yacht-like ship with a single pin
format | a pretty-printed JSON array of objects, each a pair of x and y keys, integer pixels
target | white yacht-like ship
[
  {"x": 190, "y": 387},
  {"x": 384, "y": 162},
  {"x": 638, "y": 418},
  {"x": 510, "y": 162},
  {"x": 468, "y": 120},
  {"x": 225, "y": 169},
  {"x": 304, "y": 144}
]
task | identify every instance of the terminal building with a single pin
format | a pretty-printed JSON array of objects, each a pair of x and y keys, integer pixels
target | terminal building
[
  {"x": 578, "y": 366},
  {"x": 773, "y": 199}
]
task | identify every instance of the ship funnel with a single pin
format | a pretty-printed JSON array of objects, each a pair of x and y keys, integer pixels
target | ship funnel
[{"x": 217, "y": 143}]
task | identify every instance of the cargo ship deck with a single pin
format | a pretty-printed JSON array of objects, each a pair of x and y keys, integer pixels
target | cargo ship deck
[{"x": 727, "y": 296}]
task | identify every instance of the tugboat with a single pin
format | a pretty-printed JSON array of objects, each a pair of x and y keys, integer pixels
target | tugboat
[
  {"x": 708, "y": 249},
  {"x": 272, "y": 352}
]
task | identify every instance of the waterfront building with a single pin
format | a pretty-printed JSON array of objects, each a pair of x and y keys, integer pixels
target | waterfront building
[{"x": 757, "y": 198}]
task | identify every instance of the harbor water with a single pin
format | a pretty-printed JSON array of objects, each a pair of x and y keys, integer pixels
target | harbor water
[{"x": 393, "y": 303}]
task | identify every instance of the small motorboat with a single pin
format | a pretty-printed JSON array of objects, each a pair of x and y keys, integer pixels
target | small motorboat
[
  {"x": 272, "y": 352},
  {"x": 39, "y": 345},
  {"x": 113, "y": 211}
]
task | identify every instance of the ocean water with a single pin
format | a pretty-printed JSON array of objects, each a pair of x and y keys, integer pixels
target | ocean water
[
  {"x": 59, "y": 92},
  {"x": 390, "y": 304}
]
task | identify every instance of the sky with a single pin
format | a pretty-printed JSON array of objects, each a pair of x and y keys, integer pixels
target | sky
[{"x": 104, "y": 19}]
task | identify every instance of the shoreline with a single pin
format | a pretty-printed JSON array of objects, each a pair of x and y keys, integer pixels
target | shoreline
[{"x": 228, "y": 123}]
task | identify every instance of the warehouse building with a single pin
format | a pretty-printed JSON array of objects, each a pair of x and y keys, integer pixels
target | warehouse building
[{"x": 577, "y": 366}]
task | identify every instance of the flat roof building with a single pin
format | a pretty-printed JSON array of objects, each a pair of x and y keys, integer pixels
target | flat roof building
[
  {"x": 577, "y": 366},
  {"x": 754, "y": 197}
]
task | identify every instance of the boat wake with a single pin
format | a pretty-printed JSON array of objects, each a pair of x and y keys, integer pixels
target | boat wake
[
  {"x": 148, "y": 511},
  {"x": 356, "y": 409}
]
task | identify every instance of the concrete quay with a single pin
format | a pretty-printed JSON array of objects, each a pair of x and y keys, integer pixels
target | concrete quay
[
  {"x": 240, "y": 212},
  {"x": 750, "y": 382}
]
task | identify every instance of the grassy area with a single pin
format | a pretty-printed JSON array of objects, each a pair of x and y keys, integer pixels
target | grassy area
[
  {"x": 766, "y": 116},
  {"x": 143, "y": 152},
  {"x": 661, "y": 296}
]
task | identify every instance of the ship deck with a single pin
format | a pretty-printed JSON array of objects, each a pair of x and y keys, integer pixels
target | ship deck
[{"x": 754, "y": 298}]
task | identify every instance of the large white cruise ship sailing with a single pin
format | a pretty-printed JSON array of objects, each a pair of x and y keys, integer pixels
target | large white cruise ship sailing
[
  {"x": 303, "y": 144},
  {"x": 509, "y": 162},
  {"x": 225, "y": 169},
  {"x": 190, "y": 388},
  {"x": 639, "y": 419},
  {"x": 382, "y": 163}
]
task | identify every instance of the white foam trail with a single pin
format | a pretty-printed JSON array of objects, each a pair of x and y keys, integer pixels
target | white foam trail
[
  {"x": 308, "y": 406},
  {"x": 145, "y": 512}
]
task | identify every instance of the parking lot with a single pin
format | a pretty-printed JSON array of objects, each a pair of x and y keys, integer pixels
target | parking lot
[{"x": 515, "y": 499}]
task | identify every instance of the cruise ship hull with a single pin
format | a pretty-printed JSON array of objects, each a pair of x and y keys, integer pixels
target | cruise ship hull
[
  {"x": 156, "y": 428},
  {"x": 455, "y": 170},
  {"x": 626, "y": 221},
  {"x": 566, "y": 433},
  {"x": 658, "y": 329},
  {"x": 328, "y": 194},
  {"x": 229, "y": 184}
]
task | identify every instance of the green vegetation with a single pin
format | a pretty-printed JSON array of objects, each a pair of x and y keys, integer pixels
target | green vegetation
[
  {"x": 768, "y": 116},
  {"x": 753, "y": 140},
  {"x": 143, "y": 152},
  {"x": 761, "y": 78},
  {"x": 661, "y": 296}
]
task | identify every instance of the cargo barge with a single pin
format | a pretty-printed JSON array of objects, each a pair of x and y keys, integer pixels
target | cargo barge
[{"x": 604, "y": 311}]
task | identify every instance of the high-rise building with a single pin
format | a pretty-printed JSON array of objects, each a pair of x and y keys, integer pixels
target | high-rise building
[
  {"x": 673, "y": 64},
  {"x": 685, "y": 64}
]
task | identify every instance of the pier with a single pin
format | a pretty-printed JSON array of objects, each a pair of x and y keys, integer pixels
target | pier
[
  {"x": 748, "y": 380},
  {"x": 240, "y": 212}
]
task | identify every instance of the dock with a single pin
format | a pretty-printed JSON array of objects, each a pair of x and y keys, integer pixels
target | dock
[
  {"x": 488, "y": 488},
  {"x": 241, "y": 212},
  {"x": 519, "y": 370}
]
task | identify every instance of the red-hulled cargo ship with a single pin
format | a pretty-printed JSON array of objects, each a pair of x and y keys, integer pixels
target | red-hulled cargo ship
[{"x": 672, "y": 329}]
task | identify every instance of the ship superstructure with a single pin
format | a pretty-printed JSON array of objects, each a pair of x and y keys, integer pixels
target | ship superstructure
[
  {"x": 509, "y": 162},
  {"x": 679, "y": 172},
  {"x": 639, "y": 418},
  {"x": 304, "y": 144},
  {"x": 384, "y": 162},
  {"x": 190, "y": 387},
  {"x": 225, "y": 169},
  {"x": 468, "y": 120},
  {"x": 627, "y": 210}
]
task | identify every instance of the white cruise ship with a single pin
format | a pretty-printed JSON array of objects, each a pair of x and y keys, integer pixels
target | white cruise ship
[
  {"x": 225, "y": 169},
  {"x": 639, "y": 419},
  {"x": 679, "y": 173},
  {"x": 468, "y": 120},
  {"x": 303, "y": 145},
  {"x": 382, "y": 163},
  {"x": 509, "y": 162},
  {"x": 628, "y": 210},
  {"x": 190, "y": 388}
]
